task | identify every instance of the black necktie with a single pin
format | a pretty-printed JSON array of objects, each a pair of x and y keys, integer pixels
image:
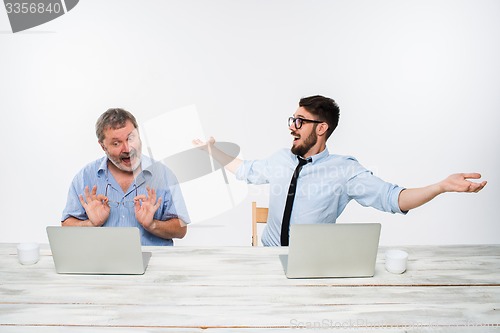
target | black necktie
[{"x": 285, "y": 225}]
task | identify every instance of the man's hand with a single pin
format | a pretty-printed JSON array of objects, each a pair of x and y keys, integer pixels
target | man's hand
[
  {"x": 146, "y": 207},
  {"x": 231, "y": 163},
  {"x": 204, "y": 145},
  {"x": 458, "y": 183},
  {"x": 96, "y": 206},
  {"x": 414, "y": 197}
]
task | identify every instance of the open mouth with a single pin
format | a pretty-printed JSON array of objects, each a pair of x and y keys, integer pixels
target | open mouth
[
  {"x": 295, "y": 136},
  {"x": 127, "y": 159}
]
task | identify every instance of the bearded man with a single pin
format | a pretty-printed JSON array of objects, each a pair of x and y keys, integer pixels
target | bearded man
[
  {"x": 125, "y": 188},
  {"x": 310, "y": 185}
]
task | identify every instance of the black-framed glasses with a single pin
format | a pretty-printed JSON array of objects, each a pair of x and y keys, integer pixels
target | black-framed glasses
[
  {"x": 299, "y": 121},
  {"x": 125, "y": 203}
]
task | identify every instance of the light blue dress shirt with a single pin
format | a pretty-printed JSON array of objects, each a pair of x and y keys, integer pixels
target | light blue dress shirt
[
  {"x": 155, "y": 175},
  {"x": 325, "y": 186}
]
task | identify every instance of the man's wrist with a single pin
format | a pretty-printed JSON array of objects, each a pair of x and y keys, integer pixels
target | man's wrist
[{"x": 151, "y": 227}]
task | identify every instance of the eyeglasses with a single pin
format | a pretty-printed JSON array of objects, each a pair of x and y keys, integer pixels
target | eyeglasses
[
  {"x": 299, "y": 121},
  {"x": 125, "y": 203}
]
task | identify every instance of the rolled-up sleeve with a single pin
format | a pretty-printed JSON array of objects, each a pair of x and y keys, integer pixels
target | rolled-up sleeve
[
  {"x": 173, "y": 206},
  {"x": 73, "y": 206},
  {"x": 168, "y": 188},
  {"x": 371, "y": 191}
]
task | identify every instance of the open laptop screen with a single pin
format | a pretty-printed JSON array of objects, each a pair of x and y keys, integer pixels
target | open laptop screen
[
  {"x": 97, "y": 250},
  {"x": 332, "y": 250}
]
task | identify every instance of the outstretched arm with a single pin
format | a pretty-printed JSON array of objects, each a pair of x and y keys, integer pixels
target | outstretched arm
[
  {"x": 230, "y": 163},
  {"x": 415, "y": 197}
]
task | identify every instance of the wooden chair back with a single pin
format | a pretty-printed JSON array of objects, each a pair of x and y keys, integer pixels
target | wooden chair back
[{"x": 259, "y": 215}]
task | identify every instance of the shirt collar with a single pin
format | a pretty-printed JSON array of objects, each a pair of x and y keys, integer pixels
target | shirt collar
[
  {"x": 315, "y": 158},
  {"x": 318, "y": 157}
]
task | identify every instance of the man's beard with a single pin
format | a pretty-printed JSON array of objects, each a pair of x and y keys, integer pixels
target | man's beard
[
  {"x": 309, "y": 142},
  {"x": 132, "y": 155}
]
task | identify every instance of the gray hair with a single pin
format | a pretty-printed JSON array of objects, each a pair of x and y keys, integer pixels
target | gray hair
[{"x": 113, "y": 118}]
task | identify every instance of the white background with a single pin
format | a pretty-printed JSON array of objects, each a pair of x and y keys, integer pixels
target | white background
[{"x": 418, "y": 83}]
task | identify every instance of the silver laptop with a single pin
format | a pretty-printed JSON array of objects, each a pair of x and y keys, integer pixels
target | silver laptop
[
  {"x": 332, "y": 250},
  {"x": 88, "y": 250}
]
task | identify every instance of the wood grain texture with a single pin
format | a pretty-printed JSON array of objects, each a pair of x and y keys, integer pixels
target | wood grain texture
[{"x": 186, "y": 289}]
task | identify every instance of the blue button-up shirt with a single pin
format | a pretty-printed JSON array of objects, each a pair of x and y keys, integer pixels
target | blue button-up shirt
[
  {"x": 324, "y": 188},
  {"x": 154, "y": 175}
]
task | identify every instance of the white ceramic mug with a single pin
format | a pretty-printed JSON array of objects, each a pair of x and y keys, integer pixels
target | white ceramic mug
[
  {"x": 395, "y": 261},
  {"x": 28, "y": 253}
]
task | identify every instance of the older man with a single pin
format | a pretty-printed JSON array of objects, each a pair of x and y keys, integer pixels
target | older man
[{"x": 125, "y": 188}]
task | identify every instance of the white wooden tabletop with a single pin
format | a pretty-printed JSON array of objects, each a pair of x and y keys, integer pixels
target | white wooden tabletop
[{"x": 244, "y": 289}]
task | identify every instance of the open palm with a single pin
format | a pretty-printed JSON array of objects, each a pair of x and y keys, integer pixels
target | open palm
[{"x": 95, "y": 205}]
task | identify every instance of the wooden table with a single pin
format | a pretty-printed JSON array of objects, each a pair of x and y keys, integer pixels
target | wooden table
[{"x": 243, "y": 289}]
